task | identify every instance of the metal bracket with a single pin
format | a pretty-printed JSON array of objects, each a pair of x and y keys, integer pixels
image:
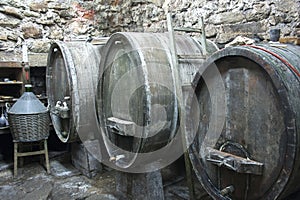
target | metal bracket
[
  {"x": 62, "y": 113},
  {"x": 233, "y": 162}
]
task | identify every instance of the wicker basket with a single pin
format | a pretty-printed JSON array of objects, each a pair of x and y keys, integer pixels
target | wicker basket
[{"x": 29, "y": 127}]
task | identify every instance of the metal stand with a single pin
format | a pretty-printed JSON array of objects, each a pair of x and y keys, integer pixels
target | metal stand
[{"x": 30, "y": 153}]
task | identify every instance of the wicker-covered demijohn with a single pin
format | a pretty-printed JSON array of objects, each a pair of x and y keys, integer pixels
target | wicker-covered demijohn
[{"x": 29, "y": 119}]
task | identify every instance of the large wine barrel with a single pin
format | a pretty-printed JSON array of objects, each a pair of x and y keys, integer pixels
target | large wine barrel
[
  {"x": 137, "y": 103},
  {"x": 256, "y": 153},
  {"x": 71, "y": 77}
]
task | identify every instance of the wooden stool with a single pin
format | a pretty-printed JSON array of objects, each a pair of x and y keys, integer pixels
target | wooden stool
[{"x": 30, "y": 153}]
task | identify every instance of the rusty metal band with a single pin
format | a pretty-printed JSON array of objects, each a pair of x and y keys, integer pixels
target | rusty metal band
[{"x": 278, "y": 57}]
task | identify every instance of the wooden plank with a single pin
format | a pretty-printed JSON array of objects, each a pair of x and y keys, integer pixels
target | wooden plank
[
  {"x": 290, "y": 40},
  {"x": 11, "y": 64},
  {"x": 120, "y": 126},
  {"x": 33, "y": 153},
  {"x": 4, "y": 130},
  {"x": 191, "y": 57},
  {"x": 188, "y": 30},
  {"x": 11, "y": 83},
  {"x": 119, "y": 121},
  {"x": 34, "y": 59}
]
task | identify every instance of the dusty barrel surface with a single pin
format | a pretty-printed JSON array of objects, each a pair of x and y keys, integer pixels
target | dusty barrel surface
[
  {"x": 71, "y": 77},
  {"x": 136, "y": 97},
  {"x": 256, "y": 153}
]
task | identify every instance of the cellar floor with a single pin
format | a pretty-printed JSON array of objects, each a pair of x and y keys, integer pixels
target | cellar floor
[{"x": 66, "y": 182}]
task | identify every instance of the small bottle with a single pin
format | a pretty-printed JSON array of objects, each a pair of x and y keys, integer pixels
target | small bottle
[
  {"x": 2, "y": 120},
  {"x": 28, "y": 88}
]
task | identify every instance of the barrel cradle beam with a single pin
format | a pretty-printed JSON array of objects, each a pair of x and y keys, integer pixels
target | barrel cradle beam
[{"x": 259, "y": 144}]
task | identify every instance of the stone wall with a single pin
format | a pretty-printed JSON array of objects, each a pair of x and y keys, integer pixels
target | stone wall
[
  {"x": 37, "y": 22},
  {"x": 227, "y": 19}
]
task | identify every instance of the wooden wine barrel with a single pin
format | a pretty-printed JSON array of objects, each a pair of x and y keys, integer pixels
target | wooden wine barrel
[
  {"x": 256, "y": 155},
  {"x": 71, "y": 77},
  {"x": 137, "y": 103}
]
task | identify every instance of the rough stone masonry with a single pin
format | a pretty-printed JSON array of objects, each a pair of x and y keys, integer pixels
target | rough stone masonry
[{"x": 38, "y": 22}]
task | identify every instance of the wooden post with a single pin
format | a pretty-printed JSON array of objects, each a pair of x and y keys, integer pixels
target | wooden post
[
  {"x": 181, "y": 103},
  {"x": 15, "y": 159},
  {"x": 203, "y": 37},
  {"x": 46, "y": 156}
]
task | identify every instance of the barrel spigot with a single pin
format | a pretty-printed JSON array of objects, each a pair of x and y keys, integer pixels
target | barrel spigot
[
  {"x": 227, "y": 190},
  {"x": 64, "y": 111}
]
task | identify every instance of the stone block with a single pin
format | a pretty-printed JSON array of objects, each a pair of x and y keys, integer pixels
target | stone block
[
  {"x": 58, "y": 6},
  {"x": 29, "y": 13},
  {"x": 3, "y": 37},
  {"x": 31, "y": 30},
  {"x": 15, "y": 12},
  {"x": 226, "y": 18},
  {"x": 210, "y": 31},
  {"x": 39, "y": 46},
  {"x": 287, "y": 6},
  {"x": 258, "y": 12},
  {"x": 229, "y": 32},
  {"x": 82, "y": 159},
  {"x": 146, "y": 186},
  {"x": 38, "y": 6},
  {"x": 8, "y": 21}
]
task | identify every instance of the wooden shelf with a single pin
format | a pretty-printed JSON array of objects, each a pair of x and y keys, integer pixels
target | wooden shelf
[
  {"x": 2, "y": 101},
  {"x": 13, "y": 70},
  {"x": 4, "y": 130},
  {"x": 11, "y": 83},
  {"x": 10, "y": 64}
]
